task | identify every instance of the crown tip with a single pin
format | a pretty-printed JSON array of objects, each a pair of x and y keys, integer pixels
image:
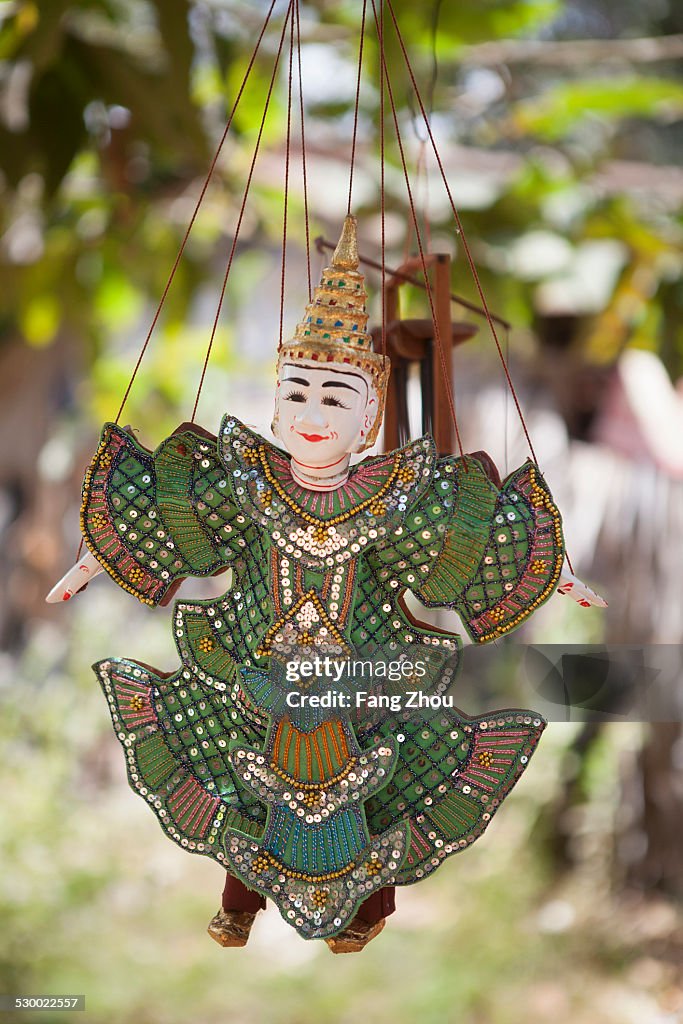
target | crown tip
[{"x": 346, "y": 254}]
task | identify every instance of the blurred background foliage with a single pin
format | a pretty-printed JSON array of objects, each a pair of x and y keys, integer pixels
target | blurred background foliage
[{"x": 560, "y": 123}]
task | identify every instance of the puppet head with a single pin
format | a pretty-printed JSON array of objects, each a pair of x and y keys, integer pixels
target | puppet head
[{"x": 331, "y": 385}]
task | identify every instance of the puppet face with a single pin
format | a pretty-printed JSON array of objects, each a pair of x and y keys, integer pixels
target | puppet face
[{"x": 323, "y": 413}]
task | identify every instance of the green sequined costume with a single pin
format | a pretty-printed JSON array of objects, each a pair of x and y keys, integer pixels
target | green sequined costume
[{"x": 315, "y": 811}]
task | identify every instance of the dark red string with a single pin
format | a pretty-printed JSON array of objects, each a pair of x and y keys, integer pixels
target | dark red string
[
  {"x": 437, "y": 332},
  {"x": 303, "y": 153},
  {"x": 285, "y": 204},
  {"x": 422, "y": 179},
  {"x": 465, "y": 245},
  {"x": 196, "y": 211},
  {"x": 242, "y": 208},
  {"x": 382, "y": 191},
  {"x": 356, "y": 106}
]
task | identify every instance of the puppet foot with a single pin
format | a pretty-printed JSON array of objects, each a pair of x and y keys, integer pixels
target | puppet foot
[
  {"x": 355, "y": 936},
  {"x": 231, "y": 927}
]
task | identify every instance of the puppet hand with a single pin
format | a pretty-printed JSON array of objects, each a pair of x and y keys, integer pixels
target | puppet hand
[
  {"x": 573, "y": 587},
  {"x": 78, "y": 576}
]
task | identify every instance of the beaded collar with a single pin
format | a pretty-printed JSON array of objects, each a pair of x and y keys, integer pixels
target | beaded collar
[{"x": 323, "y": 527}]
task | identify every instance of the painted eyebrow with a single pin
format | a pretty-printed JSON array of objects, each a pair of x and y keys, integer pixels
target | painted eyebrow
[
  {"x": 337, "y": 384},
  {"x": 321, "y": 369},
  {"x": 327, "y": 384}
]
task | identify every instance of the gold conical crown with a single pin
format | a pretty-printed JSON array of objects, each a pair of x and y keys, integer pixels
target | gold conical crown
[{"x": 334, "y": 325}]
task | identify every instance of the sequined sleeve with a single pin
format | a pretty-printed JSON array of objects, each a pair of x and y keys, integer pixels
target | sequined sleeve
[
  {"x": 493, "y": 554},
  {"x": 438, "y": 546},
  {"x": 152, "y": 519},
  {"x": 518, "y": 567}
]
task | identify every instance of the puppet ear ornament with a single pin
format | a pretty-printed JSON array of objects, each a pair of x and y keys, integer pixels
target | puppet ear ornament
[{"x": 334, "y": 324}]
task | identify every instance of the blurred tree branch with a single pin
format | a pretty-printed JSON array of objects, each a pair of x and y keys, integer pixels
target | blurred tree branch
[{"x": 573, "y": 52}]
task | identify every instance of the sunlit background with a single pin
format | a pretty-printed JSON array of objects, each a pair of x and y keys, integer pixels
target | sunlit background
[{"x": 560, "y": 126}]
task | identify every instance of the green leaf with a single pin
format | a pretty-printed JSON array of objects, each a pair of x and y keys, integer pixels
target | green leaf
[
  {"x": 564, "y": 107},
  {"x": 35, "y": 33},
  {"x": 118, "y": 303},
  {"x": 40, "y": 321}
]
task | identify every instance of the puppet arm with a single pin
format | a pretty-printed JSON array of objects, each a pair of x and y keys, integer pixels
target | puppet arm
[
  {"x": 515, "y": 570},
  {"x": 492, "y": 552},
  {"x": 152, "y": 519}
]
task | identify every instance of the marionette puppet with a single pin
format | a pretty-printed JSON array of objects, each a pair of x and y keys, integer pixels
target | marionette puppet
[
  {"x": 321, "y": 811},
  {"x": 319, "y": 793}
]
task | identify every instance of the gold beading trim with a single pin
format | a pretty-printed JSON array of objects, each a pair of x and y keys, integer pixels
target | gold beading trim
[
  {"x": 539, "y": 499},
  {"x": 314, "y": 520}
]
